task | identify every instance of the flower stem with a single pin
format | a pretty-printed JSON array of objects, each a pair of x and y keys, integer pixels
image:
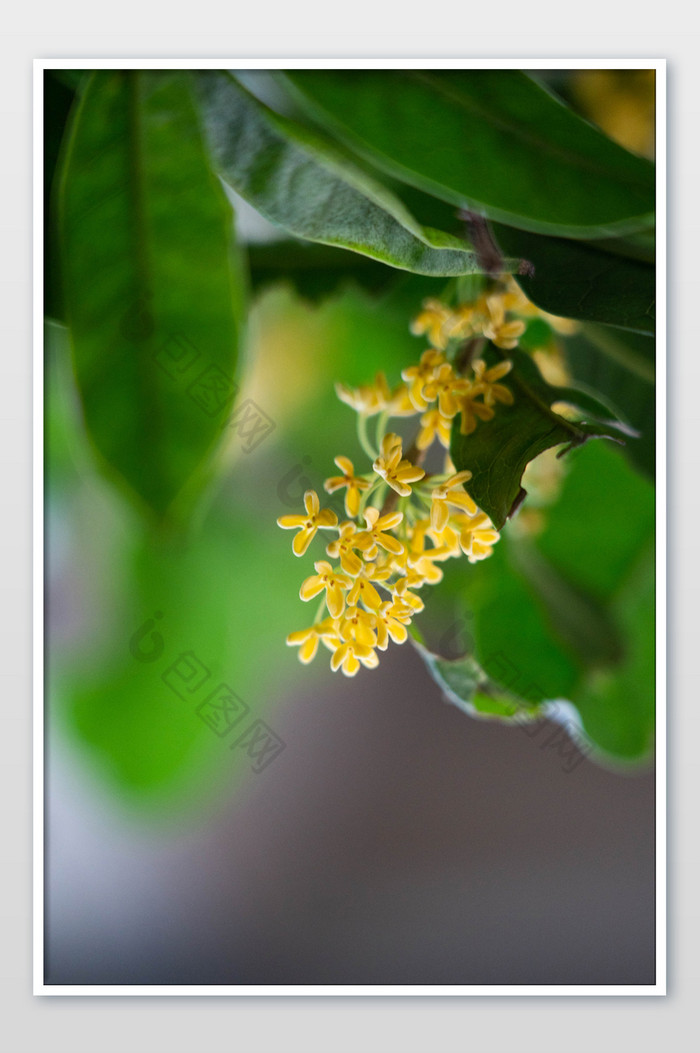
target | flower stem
[{"x": 362, "y": 436}]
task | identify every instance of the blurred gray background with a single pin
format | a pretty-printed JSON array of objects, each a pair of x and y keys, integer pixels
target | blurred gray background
[{"x": 394, "y": 841}]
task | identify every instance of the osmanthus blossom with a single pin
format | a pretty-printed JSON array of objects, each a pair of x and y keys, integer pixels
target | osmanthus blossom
[
  {"x": 486, "y": 382},
  {"x": 397, "y": 471},
  {"x": 403, "y": 524},
  {"x": 326, "y": 578},
  {"x": 450, "y": 493},
  {"x": 500, "y": 332},
  {"x": 434, "y": 426},
  {"x": 471, "y": 410},
  {"x": 353, "y": 486},
  {"x": 435, "y": 320},
  {"x": 316, "y": 518}
]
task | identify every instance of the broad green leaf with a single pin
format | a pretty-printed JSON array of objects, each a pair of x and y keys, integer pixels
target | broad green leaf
[
  {"x": 567, "y": 615},
  {"x": 621, "y": 366},
  {"x": 312, "y": 191},
  {"x": 132, "y": 706},
  {"x": 491, "y": 140},
  {"x": 151, "y": 282},
  {"x": 576, "y": 280},
  {"x": 617, "y": 705},
  {"x": 500, "y": 449},
  {"x": 602, "y": 524}
]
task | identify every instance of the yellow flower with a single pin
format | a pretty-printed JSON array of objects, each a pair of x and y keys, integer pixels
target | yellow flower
[
  {"x": 471, "y": 409},
  {"x": 418, "y": 376},
  {"x": 391, "y": 621},
  {"x": 434, "y": 319},
  {"x": 363, "y": 589},
  {"x": 400, "y": 404},
  {"x": 486, "y": 382},
  {"x": 434, "y": 425},
  {"x": 501, "y": 333},
  {"x": 368, "y": 399},
  {"x": 342, "y": 548},
  {"x": 477, "y": 536},
  {"x": 346, "y": 656},
  {"x": 403, "y": 593},
  {"x": 307, "y": 639},
  {"x": 443, "y": 387},
  {"x": 375, "y": 533},
  {"x": 398, "y": 473},
  {"x": 420, "y": 567},
  {"x": 316, "y": 518},
  {"x": 357, "y": 626},
  {"x": 445, "y": 495},
  {"x": 461, "y": 322},
  {"x": 348, "y": 479},
  {"x": 514, "y": 299},
  {"x": 328, "y": 579},
  {"x": 447, "y": 541}
]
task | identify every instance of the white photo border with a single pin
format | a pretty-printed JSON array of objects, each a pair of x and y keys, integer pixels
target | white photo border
[{"x": 314, "y": 990}]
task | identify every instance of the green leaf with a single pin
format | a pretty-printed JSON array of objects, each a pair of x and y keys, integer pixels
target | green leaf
[
  {"x": 492, "y": 140},
  {"x": 59, "y": 98},
  {"x": 567, "y": 615},
  {"x": 621, "y": 366},
  {"x": 153, "y": 294},
  {"x": 316, "y": 271},
  {"x": 576, "y": 280},
  {"x": 500, "y": 449},
  {"x": 468, "y": 687},
  {"x": 311, "y": 190}
]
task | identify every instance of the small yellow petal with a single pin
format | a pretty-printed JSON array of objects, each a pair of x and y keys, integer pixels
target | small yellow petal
[
  {"x": 311, "y": 502},
  {"x": 302, "y": 541},
  {"x": 291, "y": 522},
  {"x": 311, "y": 587}
]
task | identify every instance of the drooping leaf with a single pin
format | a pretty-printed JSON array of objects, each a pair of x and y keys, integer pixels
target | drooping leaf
[
  {"x": 151, "y": 283},
  {"x": 577, "y": 280},
  {"x": 499, "y": 450},
  {"x": 468, "y": 687},
  {"x": 492, "y": 140},
  {"x": 562, "y": 623},
  {"x": 313, "y": 191}
]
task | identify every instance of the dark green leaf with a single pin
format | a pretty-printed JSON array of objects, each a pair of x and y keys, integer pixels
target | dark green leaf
[
  {"x": 150, "y": 278},
  {"x": 316, "y": 271},
  {"x": 311, "y": 190},
  {"x": 500, "y": 449},
  {"x": 493, "y": 140},
  {"x": 621, "y": 365},
  {"x": 59, "y": 98},
  {"x": 576, "y": 280}
]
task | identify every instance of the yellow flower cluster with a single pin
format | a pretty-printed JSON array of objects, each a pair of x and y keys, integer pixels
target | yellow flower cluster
[
  {"x": 383, "y": 558},
  {"x": 402, "y": 524}
]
